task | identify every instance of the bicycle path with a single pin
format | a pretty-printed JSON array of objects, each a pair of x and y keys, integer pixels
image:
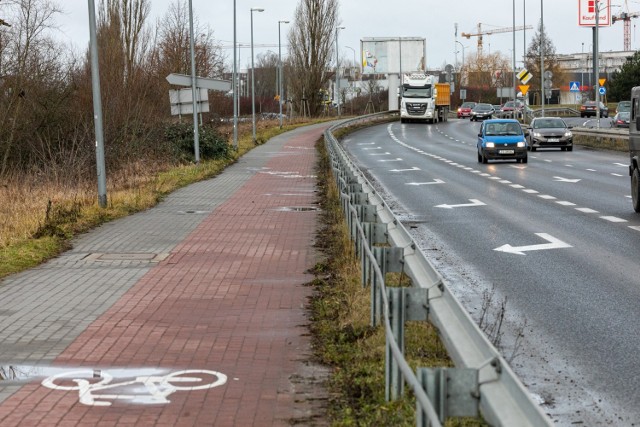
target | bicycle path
[{"x": 212, "y": 279}]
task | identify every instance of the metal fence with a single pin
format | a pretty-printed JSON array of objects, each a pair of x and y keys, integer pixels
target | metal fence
[{"x": 482, "y": 381}]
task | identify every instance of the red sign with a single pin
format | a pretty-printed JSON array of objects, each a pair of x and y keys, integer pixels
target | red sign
[{"x": 587, "y": 13}]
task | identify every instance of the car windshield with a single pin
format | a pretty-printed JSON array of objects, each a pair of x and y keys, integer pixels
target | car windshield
[
  {"x": 501, "y": 129},
  {"x": 417, "y": 92},
  {"x": 625, "y": 115},
  {"x": 624, "y": 106},
  {"x": 549, "y": 123},
  {"x": 468, "y": 105},
  {"x": 482, "y": 107}
]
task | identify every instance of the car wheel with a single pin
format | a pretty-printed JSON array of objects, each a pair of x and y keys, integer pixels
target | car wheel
[
  {"x": 533, "y": 148},
  {"x": 569, "y": 148},
  {"x": 635, "y": 190},
  {"x": 479, "y": 157},
  {"x": 484, "y": 159},
  {"x": 524, "y": 159}
]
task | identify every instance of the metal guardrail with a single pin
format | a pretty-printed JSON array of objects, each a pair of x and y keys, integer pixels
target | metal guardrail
[{"x": 482, "y": 380}]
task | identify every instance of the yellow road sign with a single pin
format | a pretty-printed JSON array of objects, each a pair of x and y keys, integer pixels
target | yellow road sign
[
  {"x": 524, "y": 76},
  {"x": 602, "y": 81},
  {"x": 524, "y": 89}
]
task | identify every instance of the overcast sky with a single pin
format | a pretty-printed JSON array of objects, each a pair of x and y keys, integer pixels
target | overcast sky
[{"x": 430, "y": 19}]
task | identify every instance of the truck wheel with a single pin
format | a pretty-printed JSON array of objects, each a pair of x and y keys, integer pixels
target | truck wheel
[{"x": 635, "y": 190}]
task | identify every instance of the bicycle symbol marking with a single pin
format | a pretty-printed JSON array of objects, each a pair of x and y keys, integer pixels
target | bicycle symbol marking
[{"x": 155, "y": 388}]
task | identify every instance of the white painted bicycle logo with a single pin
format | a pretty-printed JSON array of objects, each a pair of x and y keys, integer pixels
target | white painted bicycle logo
[{"x": 91, "y": 384}]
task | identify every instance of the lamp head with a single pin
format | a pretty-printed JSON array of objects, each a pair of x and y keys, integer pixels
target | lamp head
[{"x": 255, "y": 9}]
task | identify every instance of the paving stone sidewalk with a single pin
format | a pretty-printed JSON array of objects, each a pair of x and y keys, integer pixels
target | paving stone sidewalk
[{"x": 211, "y": 282}]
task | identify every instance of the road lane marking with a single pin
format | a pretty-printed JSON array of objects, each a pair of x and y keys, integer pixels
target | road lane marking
[
  {"x": 474, "y": 202},
  {"x": 613, "y": 219},
  {"x": 561, "y": 179},
  {"x": 520, "y": 250},
  {"x": 565, "y": 203},
  {"x": 587, "y": 210},
  {"x": 405, "y": 170},
  {"x": 435, "y": 181}
]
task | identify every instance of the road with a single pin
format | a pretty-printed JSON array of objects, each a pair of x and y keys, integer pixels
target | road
[{"x": 556, "y": 237}]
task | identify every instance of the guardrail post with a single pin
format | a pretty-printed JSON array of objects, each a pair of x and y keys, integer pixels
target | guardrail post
[
  {"x": 374, "y": 234},
  {"x": 389, "y": 260},
  {"x": 394, "y": 379},
  {"x": 454, "y": 392}
]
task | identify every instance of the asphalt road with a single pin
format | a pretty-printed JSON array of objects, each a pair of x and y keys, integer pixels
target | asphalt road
[{"x": 557, "y": 237}]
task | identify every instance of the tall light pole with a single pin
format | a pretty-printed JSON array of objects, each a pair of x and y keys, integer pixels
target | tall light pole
[
  {"x": 542, "y": 89},
  {"x": 461, "y": 45},
  {"x": 97, "y": 108},
  {"x": 253, "y": 85},
  {"x": 233, "y": 83},
  {"x": 597, "y": 66},
  {"x": 280, "y": 72},
  {"x": 515, "y": 90},
  {"x": 338, "y": 70},
  {"x": 581, "y": 70}
]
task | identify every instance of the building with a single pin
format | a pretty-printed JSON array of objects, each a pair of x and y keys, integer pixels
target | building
[{"x": 579, "y": 68}]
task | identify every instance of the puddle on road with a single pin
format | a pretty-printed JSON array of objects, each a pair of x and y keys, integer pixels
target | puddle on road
[
  {"x": 297, "y": 209},
  {"x": 32, "y": 372}
]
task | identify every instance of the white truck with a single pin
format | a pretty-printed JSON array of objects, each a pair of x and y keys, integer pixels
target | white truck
[{"x": 423, "y": 98}]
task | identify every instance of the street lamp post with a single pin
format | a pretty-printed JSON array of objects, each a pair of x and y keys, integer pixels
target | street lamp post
[
  {"x": 338, "y": 70},
  {"x": 233, "y": 82},
  {"x": 280, "y": 72},
  {"x": 462, "y": 67},
  {"x": 253, "y": 85},
  {"x": 542, "y": 89},
  {"x": 596, "y": 67},
  {"x": 515, "y": 89}
]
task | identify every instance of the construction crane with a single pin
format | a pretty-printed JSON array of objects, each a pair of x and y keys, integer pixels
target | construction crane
[
  {"x": 481, "y": 33},
  {"x": 626, "y": 18}
]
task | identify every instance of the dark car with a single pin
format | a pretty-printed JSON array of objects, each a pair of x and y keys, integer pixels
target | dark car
[
  {"x": 501, "y": 139},
  {"x": 465, "y": 109},
  {"x": 550, "y": 132},
  {"x": 621, "y": 120},
  {"x": 482, "y": 112},
  {"x": 589, "y": 109},
  {"x": 623, "y": 107}
]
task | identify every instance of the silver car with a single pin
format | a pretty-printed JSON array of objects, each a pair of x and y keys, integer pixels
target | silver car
[{"x": 550, "y": 132}]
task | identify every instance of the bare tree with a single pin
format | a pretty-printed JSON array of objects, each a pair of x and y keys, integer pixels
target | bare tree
[
  {"x": 542, "y": 43},
  {"x": 266, "y": 75},
  {"x": 484, "y": 73},
  {"x": 310, "y": 50}
]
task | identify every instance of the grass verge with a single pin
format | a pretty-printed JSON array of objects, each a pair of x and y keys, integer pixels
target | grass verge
[{"x": 344, "y": 339}]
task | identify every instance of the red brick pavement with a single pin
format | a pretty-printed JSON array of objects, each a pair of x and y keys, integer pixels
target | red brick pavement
[{"x": 230, "y": 298}]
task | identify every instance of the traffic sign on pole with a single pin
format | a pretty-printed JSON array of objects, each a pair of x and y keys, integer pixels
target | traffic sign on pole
[
  {"x": 602, "y": 81},
  {"x": 602, "y": 90},
  {"x": 524, "y": 89},
  {"x": 201, "y": 82},
  {"x": 574, "y": 86},
  {"x": 524, "y": 76}
]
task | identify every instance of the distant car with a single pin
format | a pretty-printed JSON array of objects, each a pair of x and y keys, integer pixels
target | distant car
[
  {"x": 550, "y": 132},
  {"x": 621, "y": 120},
  {"x": 482, "y": 112},
  {"x": 589, "y": 109},
  {"x": 623, "y": 106},
  {"x": 509, "y": 106},
  {"x": 501, "y": 139},
  {"x": 465, "y": 109}
]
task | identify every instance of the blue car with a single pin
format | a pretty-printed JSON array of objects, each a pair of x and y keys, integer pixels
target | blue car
[{"x": 501, "y": 139}]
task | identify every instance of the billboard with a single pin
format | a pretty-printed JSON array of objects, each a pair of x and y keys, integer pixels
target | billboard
[
  {"x": 392, "y": 55},
  {"x": 587, "y": 13}
]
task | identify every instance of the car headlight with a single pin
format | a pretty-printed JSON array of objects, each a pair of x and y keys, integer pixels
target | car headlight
[
  {"x": 459, "y": 109},
  {"x": 490, "y": 145},
  {"x": 537, "y": 135},
  {"x": 520, "y": 144},
  {"x": 568, "y": 134}
]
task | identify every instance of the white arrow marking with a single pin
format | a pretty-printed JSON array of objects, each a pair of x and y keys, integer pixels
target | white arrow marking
[
  {"x": 405, "y": 170},
  {"x": 621, "y": 164},
  {"x": 435, "y": 181},
  {"x": 474, "y": 202},
  {"x": 520, "y": 250},
  {"x": 561, "y": 179}
]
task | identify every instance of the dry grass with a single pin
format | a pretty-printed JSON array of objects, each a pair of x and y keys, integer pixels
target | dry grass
[{"x": 39, "y": 214}]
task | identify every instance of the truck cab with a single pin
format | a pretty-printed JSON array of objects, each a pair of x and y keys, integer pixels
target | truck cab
[
  {"x": 634, "y": 147},
  {"x": 423, "y": 98}
]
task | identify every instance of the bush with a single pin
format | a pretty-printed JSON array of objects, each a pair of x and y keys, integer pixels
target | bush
[{"x": 212, "y": 144}]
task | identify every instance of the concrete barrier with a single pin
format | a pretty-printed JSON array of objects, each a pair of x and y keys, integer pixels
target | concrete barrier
[{"x": 610, "y": 139}]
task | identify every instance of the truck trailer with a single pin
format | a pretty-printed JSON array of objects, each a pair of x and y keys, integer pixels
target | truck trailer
[
  {"x": 423, "y": 98},
  {"x": 634, "y": 148}
]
